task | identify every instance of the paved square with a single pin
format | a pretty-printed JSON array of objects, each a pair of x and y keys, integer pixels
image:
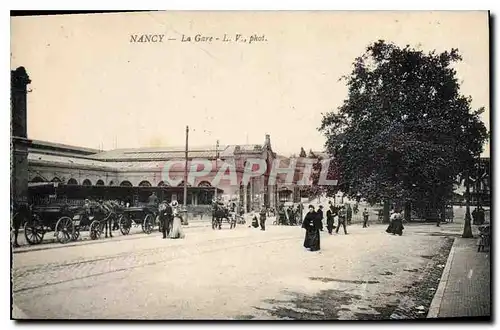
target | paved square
[{"x": 228, "y": 274}]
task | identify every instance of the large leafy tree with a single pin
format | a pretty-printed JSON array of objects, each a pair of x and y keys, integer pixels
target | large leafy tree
[{"x": 404, "y": 133}]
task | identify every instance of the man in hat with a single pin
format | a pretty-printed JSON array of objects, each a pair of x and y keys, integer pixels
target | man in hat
[
  {"x": 365, "y": 218},
  {"x": 262, "y": 213},
  {"x": 342, "y": 220},
  {"x": 319, "y": 215},
  {"x": 166, "y": 217},
  {"x": 329, "y": 219}
]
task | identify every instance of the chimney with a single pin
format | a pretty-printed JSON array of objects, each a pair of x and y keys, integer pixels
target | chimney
[
  {"x": 19, "y": 81},
  {"x": 268, "y": 141}
]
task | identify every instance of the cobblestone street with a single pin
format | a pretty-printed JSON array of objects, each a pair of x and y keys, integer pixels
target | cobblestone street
[{"x": 228, "y": 274}]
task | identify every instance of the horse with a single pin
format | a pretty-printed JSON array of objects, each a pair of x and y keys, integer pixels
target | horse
[
  {"x": 219, "y": 213},
  {"x": 20, "y": 215},
  {"x": 105, "y": 214}
]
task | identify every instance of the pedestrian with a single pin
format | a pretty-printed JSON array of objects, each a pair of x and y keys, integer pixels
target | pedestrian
[
  {"x": 263, "y": 212},
  {"x": 349, "y": 214},
  {"x": 166, "y": 214},
  {"x": 342, "y": 220},
  {"x": 255, "y": 221},
  {"x": 312, "y": 227},
  {"x": 365, "y": 218},
  {"x": 481, "y": 216},
  {"x": 390, "y": 228},
  {"x": 397, "y": 226},
  {"x": 329, "y": 220},
  {"x": 176, "y": 231},
  {"x": 319, "y": 214}
]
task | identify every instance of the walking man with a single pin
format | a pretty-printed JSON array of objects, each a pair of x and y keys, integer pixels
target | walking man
[
  {"x": 166, "y": 214},
  {"x": 329, "y": 220},
  {"x": 319, "y": 214},
  {"x": 349, "y": 214},
  {"x": 342, "y": 220},
  {"x": 263, "y": 212},
  {"x": 365, "y": 218}
]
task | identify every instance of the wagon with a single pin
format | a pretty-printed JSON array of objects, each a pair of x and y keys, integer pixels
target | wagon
[
  {"x": 64, "y": 221},
  {"x": 137, "y": 216}
]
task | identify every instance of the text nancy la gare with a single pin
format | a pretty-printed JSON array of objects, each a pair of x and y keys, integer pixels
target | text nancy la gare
[{"x": 198, "y": 38}]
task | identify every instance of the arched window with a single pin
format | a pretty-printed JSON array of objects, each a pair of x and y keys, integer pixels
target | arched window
[
  {"x": 126, "y": 184},
  {"x": 144, "y": 184},
  {"x": 55, "y": 179},
  {"x": 163, "y": 184},
  {"x": 284, "y": 195},
  {"x": 37, "y": 179},
  {"x": 100, "y": 183},
  {"x": 111, "y": 183},
  {"x": 72, "y": 181},
  {"x": 86, "y": 182},
  {"x": 204, "y": 184},
  {"x": 182, "y": 184}
]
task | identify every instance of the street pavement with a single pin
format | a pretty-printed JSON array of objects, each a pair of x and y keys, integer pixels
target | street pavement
[{"x": 244, "y": 273}]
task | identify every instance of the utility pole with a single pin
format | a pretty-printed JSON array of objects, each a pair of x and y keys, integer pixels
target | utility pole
[
  {"x": 185, "y": 170},
  {"x": 216, "y": 158}
]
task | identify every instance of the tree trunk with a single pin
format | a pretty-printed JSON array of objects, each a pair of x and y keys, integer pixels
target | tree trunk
[
  {"x": 386, "y": 211},
  {"x": 443, "y": 211},
  {"x": 467, "y": 225},
  {"x": 407, "y": 211}
]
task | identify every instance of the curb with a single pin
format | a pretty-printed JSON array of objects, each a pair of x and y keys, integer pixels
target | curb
[
  {"x": 86, "y": 241},
  {"x": 443, "y": 282}
]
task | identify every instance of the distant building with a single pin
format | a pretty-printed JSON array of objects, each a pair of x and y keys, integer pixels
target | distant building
[
  {"x": 82, "y": 171},
  {"x": 144, "y": 167}
]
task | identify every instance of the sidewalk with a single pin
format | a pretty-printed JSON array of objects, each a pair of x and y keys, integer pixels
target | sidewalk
[{"x": 464, "y": 289}]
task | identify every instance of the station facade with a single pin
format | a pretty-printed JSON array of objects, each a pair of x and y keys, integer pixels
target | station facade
[{"x": 37, "y": 162}]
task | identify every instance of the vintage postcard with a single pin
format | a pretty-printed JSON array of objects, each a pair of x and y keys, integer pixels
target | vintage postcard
[{"x": 251, "y": 165}]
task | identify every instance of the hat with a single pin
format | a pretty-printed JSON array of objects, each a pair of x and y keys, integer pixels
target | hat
[
  {"x": 321, "y": 206},
  {"x": 174, "y": 203},
  {"x": 311, "y": 207}
]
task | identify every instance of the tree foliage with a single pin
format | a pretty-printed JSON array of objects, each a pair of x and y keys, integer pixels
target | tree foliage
[{"x": 405, "y": 132}]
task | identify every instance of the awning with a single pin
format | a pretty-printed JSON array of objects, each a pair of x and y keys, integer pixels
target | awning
[{"x": 43, "y": 184}]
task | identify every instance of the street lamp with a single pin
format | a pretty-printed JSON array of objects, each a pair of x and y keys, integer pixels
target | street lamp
[{"x": 216, "y": 163}]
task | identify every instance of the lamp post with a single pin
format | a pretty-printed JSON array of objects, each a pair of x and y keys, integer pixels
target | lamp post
[{"x": 185, "y": 171}]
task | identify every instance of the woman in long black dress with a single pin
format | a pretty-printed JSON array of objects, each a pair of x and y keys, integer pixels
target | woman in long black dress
[{"x": 312, "y": 226}]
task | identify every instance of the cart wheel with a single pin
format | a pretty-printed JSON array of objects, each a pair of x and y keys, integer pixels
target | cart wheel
[
  {"x": 33, "y": 230},
  {"x": 125, "y": 224},
  {"x": 148, "y": 224},
  {"x": 95, "y": 229},
  {"x": 76, "y": 234},
  {"x": 64, "y": 230}
]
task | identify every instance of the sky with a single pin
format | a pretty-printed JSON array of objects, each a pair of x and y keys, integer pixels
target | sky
[{"x": 93, "y": 87}]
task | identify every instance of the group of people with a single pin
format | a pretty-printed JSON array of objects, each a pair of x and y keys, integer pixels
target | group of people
[
  {"x": 396, "y": 223},
  {"x": 169, "y": 219},
  {"x": 313, "y": 224},
  {"x": 291, "y": 215}
]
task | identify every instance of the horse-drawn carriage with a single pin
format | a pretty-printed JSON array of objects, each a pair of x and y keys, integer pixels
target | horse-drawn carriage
[
  {"x": 65, "y": 221},
  {"x": 221, "y": 212},
  {"x": 136, "y": 216}
]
